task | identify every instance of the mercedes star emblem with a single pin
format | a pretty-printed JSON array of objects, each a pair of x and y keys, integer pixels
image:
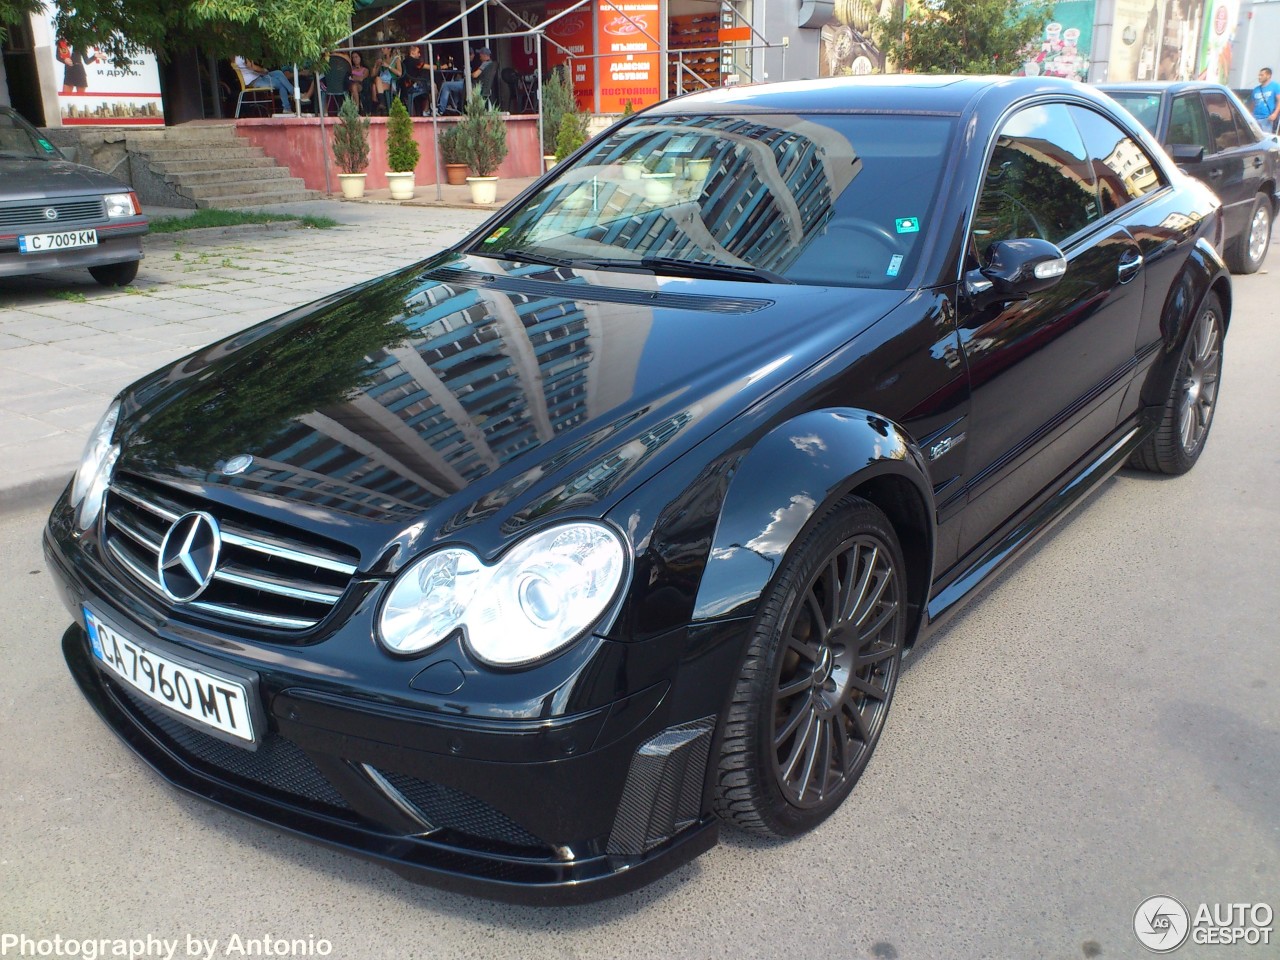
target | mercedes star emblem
[
  {"x": 188, "y": 556},
  {"x": 237, "y": 465}
]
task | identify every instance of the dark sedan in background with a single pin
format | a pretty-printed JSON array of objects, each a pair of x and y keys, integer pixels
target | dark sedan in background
[
  {"x": 1212, "y": 137},
  {"x": 55, "y": 214},
  {"x": 523, "y": 568}
]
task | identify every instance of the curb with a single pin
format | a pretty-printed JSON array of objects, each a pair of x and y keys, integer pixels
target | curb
[{"x": 231, "y": 230}]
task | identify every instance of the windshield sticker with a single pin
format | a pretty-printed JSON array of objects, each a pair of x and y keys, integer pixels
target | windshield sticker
[
  {"x": 496, "y": 235},
  {"x": 46, "y": 144},
  {"x": 907, "y": 224},
  {"x": 895, "y": 264}
]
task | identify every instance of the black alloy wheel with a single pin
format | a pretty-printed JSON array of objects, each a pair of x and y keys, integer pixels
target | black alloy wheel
[
  {"x": 1176, "y": 444},
  {"x": 819, "y": 676}
]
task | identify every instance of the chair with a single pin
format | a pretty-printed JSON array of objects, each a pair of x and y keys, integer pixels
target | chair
[
  {"x": 255, "y": 96},
  {"x": 333, "y": 85}
]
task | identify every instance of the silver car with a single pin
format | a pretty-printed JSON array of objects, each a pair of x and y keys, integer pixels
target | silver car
[{"x": 55, "y": 214}]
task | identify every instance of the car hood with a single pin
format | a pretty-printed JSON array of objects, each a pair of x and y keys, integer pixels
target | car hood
[
  {"x": 468, "y": 398},
  {"x": 34, "y": 179}
]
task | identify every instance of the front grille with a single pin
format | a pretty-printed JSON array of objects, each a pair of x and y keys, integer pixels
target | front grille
[
  {"x": 450, "y": 809},
  {"x": 278, "y": 764},
  {"x": 271, "y": 578},
  {"x": 33, "y": 214}
]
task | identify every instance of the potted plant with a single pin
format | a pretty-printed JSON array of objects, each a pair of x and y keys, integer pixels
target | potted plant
[
  {"x": 402, "y": 152},
  {"x": 557, "y": 100},
  {"x": 482, "y": 143},
  {"x": 572, "y": 134},
  {"x": 351, "y": 149},
  {"x": 455, "y": 167}
]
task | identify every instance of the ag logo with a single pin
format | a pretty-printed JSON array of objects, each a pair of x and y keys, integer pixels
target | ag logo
[{"x": 1161, "y": 924}]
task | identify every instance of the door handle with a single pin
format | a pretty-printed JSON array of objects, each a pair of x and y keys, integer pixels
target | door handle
[
  {"x": 1128, "y": 269},
  {"x": 1215, "y": 172}
]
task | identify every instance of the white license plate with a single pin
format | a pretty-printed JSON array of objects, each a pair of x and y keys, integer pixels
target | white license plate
[
  {"x": 48, "y": 242},
  {"x": 208, "y": 699}
]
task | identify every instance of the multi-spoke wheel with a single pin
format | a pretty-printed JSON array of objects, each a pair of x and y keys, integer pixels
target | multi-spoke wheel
[
  {"x": 819, "y": 675},
  {"x": 1178, "y": 439},
  {"x": 1246, "y": 253}
]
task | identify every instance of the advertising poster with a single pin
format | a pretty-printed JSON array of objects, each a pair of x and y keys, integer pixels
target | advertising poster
[
  {"x": 1135, "y": 41},
  {"x": 1180, "y": 39},
  {"x": 91, "y": 91},
  {"x": 1068, "y": 40},
  {"x": 847, "y": 47},
  {"x": 573, "y": 33},
  {"x": 629, "y": 31},
  {"x": 1215, "y": 44}
]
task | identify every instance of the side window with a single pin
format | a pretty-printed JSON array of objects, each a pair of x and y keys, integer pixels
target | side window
[
  {"x": 1187, "y": 123},
  {"x": 1123, "y": 169},
  {"x": 1222, "y": 125},
  {"x": 1038, "y": 181}
]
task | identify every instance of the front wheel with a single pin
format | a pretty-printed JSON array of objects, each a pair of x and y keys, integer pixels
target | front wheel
[
  {"x": 818, "y": 678},
  {"x": 115, "y": 274},
  {"x": 1176, "y": 444},
  {"x": 1246, "y": 253}
]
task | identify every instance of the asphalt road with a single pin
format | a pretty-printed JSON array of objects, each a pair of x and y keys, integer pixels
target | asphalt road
[{"x": 1102, "y": 725}]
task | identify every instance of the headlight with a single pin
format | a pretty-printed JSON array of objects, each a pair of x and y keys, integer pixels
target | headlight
[
  {"x": 121, "y": 205},
  {"x": 541, "y": 596},
  {"x": 94, "y": 472}
]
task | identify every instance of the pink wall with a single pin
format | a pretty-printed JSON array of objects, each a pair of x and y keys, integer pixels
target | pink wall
[{"x": 298, "y": 145}]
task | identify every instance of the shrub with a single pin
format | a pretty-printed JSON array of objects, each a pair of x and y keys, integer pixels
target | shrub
[
  {"x": 451, "y": 146},
  {"x": 572, "y": 135},
  {"x": 482, "y": 136},
  {"x": 402, "y": 149},
  {"x": 557, "y": 100},
  {"x": 351, "y": 139}
]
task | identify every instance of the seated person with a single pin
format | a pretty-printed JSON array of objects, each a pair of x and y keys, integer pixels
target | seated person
[
  {"x": 358, "y": 82},
  {"x": 386, "y": 75},
  {"x": 336, "y": 77},
  {"x": 416, "y": 79},
  {"x": 256, "y": 75},
  {"x": 483, "y": 74}
]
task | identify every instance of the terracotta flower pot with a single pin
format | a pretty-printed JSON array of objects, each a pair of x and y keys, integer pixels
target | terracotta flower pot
[{"x": 455, "y": 173}]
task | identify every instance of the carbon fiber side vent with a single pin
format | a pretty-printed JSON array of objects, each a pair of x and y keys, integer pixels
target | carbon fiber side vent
[
  {"x": 663, "y": 794},
  {"x": 578, "y": 290}
]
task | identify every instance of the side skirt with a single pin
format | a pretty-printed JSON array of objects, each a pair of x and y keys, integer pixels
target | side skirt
[{"x": 1039, "y": 522}]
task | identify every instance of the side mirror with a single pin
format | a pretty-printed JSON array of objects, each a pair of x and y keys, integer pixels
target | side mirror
[
  {"x": 1015, "y": 270},
  {"x": 1186, "y": 153}
]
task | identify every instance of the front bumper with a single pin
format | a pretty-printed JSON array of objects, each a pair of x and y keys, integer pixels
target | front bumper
[
  {"x": 117, "y": 243},
  {"x": 557, "y": 811}
]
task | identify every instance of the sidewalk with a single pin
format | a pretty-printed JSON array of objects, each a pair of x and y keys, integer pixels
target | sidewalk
[{"x": 67, "y": 345}]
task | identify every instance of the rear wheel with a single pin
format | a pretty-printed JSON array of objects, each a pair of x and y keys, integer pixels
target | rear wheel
[
  {"x": 1179, "y": 438},
  {"x": 115, "y": 274},
  {"x": 1246, "y": 253},
  {"x": 818, "y": 678}
]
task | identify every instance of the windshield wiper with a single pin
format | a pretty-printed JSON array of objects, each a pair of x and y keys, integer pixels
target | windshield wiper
[
  {"x": 678, "y": 266},
  {"x": 524, "y": 256}
]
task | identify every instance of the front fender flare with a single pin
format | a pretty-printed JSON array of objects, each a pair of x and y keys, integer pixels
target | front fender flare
[{"x": 785, "y": 483}]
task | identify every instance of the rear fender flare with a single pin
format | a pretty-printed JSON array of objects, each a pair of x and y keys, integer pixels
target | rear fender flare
[{"x": 789, "y": 480}]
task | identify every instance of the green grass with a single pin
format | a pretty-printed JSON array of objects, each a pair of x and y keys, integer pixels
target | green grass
[
  {"x": 231, "y": 218},
  {"x": 73, "y": 295}
]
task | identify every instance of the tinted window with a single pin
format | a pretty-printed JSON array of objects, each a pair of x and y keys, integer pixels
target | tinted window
[
  {"x": 17, "y": 139},
  {"x": 1145, "y": 107},
  {"x": 1038, "y": 182},
  {"x": 1222, "y": 122},
  {"x": 1123, "y": 169},
  {"x": 1187, "y": 123},
  {"x": 822, "y": 199}
]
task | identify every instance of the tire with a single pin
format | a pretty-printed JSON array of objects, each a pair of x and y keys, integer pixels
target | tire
[
  {"x": 1246, "y": 253},
  {"x": 115, "y": 274},
  {"x": 808, "y": 706},
  {"x": 1179, "y": 437}
]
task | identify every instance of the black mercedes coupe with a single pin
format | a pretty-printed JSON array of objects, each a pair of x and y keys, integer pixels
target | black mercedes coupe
[{"x": 523, "y": 569}]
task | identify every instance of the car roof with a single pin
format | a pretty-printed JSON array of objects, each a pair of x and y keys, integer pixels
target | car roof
[
  {"x": 899, "y": 93},
  {"x": 1160, "y": 86}
]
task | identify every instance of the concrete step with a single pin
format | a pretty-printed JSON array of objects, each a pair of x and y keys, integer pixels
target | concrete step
[
  {"x": 257, "y": 199},
  {"x": 235, "y": 188},
  {"x": 167, "y": 154},
  {"x": 228, "y": 175},
  {"x": 184, "y": 167},
  {"x": 201, "y": 134}
]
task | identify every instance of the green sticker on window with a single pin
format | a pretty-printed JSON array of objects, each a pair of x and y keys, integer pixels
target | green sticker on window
[
  {"x": 496, "y": 235},
  {"x": 907, "y": 225}
]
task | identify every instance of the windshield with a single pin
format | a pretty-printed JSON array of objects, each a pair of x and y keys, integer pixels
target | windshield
[
  {"x": 1145, "y": 107},
  {"x": 17, "y": 139},
  {"x": 826, "y": 200}
]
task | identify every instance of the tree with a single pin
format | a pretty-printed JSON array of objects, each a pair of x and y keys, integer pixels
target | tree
[
  {"x": 961, "y": 36},
  {"x": 279, "y": 31}
]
